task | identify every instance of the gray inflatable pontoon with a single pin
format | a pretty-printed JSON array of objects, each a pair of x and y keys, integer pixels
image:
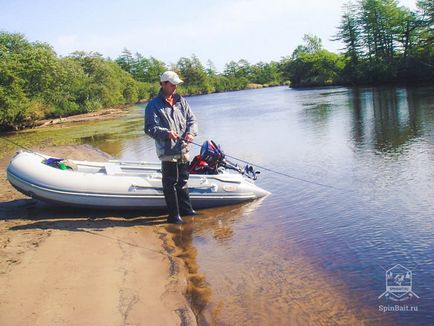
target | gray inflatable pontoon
[{"x": 118, "y": 184}]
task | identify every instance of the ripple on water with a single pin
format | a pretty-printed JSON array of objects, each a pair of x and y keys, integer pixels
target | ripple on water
[{"x": 308, "y": 254}]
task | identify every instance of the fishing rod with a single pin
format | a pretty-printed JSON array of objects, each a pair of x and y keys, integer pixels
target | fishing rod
[
  {"x": 227, "y": 155},
  {"x": 16, "y": 144},
  {"x": 270, "y": 170},
  {"x": 23, "y": 147}
]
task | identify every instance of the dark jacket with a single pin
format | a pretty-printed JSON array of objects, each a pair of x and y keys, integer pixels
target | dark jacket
[{"x": 160, "y": 118}]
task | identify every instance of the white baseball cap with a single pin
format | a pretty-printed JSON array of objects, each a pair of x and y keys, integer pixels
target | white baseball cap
[{"x": 171, "y": 77}]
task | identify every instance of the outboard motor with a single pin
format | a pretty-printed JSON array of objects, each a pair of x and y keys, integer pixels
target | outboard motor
[
  {"x": 209, "y": 159},
  {"x": 211, "y": 153},
  {"x": 212, "y": 158}
]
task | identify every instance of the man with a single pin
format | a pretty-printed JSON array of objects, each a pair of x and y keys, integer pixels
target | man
[{"x": 170, "y": 121}]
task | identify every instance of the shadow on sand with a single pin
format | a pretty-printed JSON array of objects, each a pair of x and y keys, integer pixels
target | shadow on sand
[{"x": 45, "y": 216}]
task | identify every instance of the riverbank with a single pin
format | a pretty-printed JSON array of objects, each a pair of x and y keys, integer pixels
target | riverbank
[
  {"x": 81, "y": 267},
  {"x": 109, "y": 112},
  {"x": 103, "y": 114}
]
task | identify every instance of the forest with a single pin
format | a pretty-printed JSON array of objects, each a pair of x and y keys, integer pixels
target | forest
[{"x": 383, "y": 43}]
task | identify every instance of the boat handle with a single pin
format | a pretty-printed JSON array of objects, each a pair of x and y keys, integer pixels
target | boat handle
[
  {"x": 155, "y": 176},
  {"x": 204, "y": 186},
  {"x": 135, "y": 187},
  {"x": 214, "y": 187},
  {"x": 203, "y": 181}
]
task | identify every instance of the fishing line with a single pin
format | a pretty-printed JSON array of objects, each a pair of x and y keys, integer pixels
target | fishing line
[
  {"x": 23, "y": 147},
  {"x": 227, "y": 155},
  {"x": 273, "y": 171},
  {"x": 16, "y": 144}
]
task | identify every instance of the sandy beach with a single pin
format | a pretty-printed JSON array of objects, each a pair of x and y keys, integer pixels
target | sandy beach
[{"x": 63, "y": 266}]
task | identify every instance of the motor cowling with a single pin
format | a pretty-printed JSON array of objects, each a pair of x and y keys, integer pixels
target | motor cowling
[
  {"x": 211, "y": 153},
  {"x": 211, "y": 158}
]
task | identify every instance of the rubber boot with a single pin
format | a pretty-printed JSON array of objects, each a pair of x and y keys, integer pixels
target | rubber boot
[
  {"x": 185, "y": 207},
  {"x": 172, "y": 207},
  {"x": 184, "y": 202},
  {"x": 170, "y": 180},
  {"x": 175, "y": 219}
]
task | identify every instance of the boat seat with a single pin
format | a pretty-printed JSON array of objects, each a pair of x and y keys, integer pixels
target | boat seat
[{"x": 113, "y": 169}]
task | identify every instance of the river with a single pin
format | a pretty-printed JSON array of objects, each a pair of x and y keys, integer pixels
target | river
[{"x": 357, "y": 203}]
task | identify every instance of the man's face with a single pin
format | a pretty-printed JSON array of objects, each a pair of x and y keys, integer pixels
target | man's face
[{"x": 168, "y": 88}]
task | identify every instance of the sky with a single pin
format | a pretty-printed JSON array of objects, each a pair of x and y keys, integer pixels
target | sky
[{"x": 216, "y": 30}]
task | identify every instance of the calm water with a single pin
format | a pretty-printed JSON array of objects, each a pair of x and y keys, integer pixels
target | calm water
[{"x": 311, "y": 254}]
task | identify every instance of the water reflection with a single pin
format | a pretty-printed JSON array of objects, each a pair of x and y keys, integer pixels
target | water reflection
[
  {"x": 216, "y": 221},
  {"x": 386, "y": 118},
  {"x": 281, "y": 260},
  {"x": 320, "y": 112},
  {"x": 220, "y": 221}
]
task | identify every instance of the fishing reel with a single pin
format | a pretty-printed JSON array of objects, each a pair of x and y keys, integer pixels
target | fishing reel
[{"x": 250, "y": 172}]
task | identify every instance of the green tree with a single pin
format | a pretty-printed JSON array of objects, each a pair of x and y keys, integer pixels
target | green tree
[
  {"x": 12, "y": 43},
  {"x": 13, "y": 100},
  {"x": 141, "y": 68},
  {"x": 425, "y": 24},
  {"x": 195, "y": 77},
  {"x": 381, "y": 20},
  {"x": 126, "y": 61},
  {"x": 385, "y": 42},
  {"x": 210, "y": 68},
  {"x": 266, "y": 73},
  {"x": 12, "y": 95},
  {"x": 29, "y": 76},
  {"x": 238, "y": 74},
  {"x": 41, "y": 73},
  {"x": 73, "y": 82},
  {"x": 312, "y": 44},
  {"x": 148, "y": 69},
  {"x": 349, "y": 32},
  {"x": 221, "y": 83},
  {"x": 106, "y": 84},
  {"x": 313, "y": 66},
  {"x": 35, "y": 83},
  {"x": 239, "y": 69}
]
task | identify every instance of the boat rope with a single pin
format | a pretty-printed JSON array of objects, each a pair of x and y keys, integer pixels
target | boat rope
[{"x": 273, "y": 171}]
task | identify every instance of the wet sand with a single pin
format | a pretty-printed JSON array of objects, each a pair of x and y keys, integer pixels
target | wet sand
[{"x": 63, "y": 266}]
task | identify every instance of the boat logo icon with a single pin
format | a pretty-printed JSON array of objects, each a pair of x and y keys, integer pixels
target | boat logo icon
[{"x": 399, "y": 284}]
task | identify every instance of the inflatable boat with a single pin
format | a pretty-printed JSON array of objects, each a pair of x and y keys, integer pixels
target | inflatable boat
[{"x": 120, "y": 184}]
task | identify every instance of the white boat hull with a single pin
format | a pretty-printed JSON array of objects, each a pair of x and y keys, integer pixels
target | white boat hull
[{"x": 117, "y": 184}]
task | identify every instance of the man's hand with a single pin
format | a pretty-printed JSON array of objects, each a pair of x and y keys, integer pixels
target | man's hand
[
  {"x": 173, "y": 135},
  {"x": 189, "y": 138}
]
